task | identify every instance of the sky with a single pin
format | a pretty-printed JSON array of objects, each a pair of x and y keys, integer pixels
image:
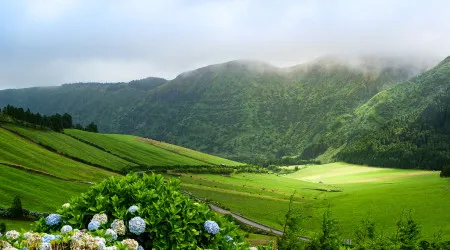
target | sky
[{"x": 51, "y": 42}]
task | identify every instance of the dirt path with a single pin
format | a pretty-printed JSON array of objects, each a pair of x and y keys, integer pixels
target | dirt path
[{"x": 243, "y": 219}]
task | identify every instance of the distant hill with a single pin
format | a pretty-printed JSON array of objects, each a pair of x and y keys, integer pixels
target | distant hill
[{"x": 244, "y": 110}]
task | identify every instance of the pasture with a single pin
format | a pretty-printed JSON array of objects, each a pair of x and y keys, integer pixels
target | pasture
[
  {"x": 128, "y": 147},
  {"x": 351, "y": 192},
  {"x": 19, "y": 151},
  {"x": 72, "y": 147}
]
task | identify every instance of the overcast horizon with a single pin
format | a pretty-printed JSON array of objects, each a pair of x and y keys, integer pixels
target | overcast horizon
[{"x": 52, "y": 42}]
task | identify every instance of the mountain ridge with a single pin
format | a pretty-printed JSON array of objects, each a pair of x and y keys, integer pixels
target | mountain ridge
[{"x": 240, "y": 109}]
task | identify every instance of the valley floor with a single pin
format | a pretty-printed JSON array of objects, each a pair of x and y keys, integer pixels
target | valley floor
[{"x": 351, "y": 192}]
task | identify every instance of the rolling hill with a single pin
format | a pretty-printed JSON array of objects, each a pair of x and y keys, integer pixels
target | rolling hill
[
  {"x": 244, "y": 110},
  {"x": 45, "y": 168}
]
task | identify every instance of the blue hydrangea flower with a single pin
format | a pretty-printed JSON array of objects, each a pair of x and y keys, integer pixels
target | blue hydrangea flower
[
  {"x": 139, "y": 248},
  {"x": 136, "y": 225},
  {"x": 24, "y": 248},
  {"x": 93, "y": 225},
  {"x": 229, "y": 238},
  {"x": 53, "y": 219},
  {"x": 47, "y": 238},
  {"x": 112, "y": 233},
  {"x": 133, "y": 209},
  {"x": 66, "y": 229},
  {"x": 211, "y": 227},
  {"x": 58, "y": 237}
]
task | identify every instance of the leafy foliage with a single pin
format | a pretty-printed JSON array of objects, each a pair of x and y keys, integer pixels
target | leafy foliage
[{"x": 172, "y": 219}]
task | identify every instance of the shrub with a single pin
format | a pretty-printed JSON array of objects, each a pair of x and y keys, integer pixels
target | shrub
[
  {"x": 2, "y": 228},
  {"x": 445, "y": 172},
  {"x": 16, "y": 209},
  {"x": 165, "y": 218}
]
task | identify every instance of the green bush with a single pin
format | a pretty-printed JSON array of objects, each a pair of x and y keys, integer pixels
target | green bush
[
  {"x": 172, "y": 219},
  {"x": 445, "y": 172}
]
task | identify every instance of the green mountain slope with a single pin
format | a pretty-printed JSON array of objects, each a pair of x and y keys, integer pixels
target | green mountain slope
[
  {"x": 86, "y": 102},
  {"x": 406, "y": 126},
  {"x": 244, "y": 110}
]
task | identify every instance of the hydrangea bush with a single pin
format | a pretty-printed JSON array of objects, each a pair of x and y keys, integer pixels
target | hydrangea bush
[{"x": 139, "y": 212}]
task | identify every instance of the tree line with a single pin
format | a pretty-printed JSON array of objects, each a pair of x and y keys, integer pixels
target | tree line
[{"x": 56, "y": 122}]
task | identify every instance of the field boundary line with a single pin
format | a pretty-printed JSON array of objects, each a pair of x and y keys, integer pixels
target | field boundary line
[
  {"x": 53, "y": 150},
  {"x": 35, "y": 171},
  {"x": 148, "y": 141}
]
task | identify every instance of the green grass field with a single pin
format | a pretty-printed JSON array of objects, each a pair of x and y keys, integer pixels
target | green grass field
[
  {"x": 19, "y": 151},
  {"x": 37, "y": 192},
  {"x": 382, "y": 194},
  {"x": 130, "y": 147},
  {"x": 72, "y": 147},
  {"x": 206, "y": 158},
  {"x": 16, "y": 224}
]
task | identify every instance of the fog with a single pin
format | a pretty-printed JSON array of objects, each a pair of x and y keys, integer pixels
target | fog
[{"x": 51, "y": 42}]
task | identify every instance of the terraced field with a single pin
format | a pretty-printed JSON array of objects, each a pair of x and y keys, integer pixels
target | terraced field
[
  {"x": 18, "y": 151},
  {"x": 72, "y": 147},
  {"x": 206, "y": 158},
  {"x": 352, "y": 193},
  {"x": 133, "y": 148}
]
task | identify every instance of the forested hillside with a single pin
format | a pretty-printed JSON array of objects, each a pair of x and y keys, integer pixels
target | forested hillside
[
  {"x": 244, "y": 110},
  {"x": 406, "y": 126}
]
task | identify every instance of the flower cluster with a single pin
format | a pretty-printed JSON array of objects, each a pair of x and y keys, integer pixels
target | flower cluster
[
  {"x": 119, "y": 227},
  {"x": 211, "y": 227},
  {"x": 136, "y": 225},
  {"x": 66, "y": 229},
  {"x": 130, "y": 243},
  {"x": 112, "y": 233},
  {"x": 93, "y": 225},
  {"x": 12, "y": 235},
  {"x": 133, "y": 209},
  {"x": 102, "y": 218},
  {"x": 53, "y": 219}
]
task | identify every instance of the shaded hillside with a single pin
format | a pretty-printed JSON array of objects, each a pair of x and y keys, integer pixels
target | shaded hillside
[
  {"x": 406, "y": 126},
  {"x": 243, "y": 110},
  {"x": 86, "y": 102}
]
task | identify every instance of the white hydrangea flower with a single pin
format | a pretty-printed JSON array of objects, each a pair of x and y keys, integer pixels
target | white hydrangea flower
[
  {"x": 12, "y": 235},
  {"x": 130, "y": 243},
  {"x": 119, "y": 227},
  {"x": 102, "y": 218},
  {"x": 66, "y": 205}
]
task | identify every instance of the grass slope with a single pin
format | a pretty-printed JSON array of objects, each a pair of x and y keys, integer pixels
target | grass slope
[
  {"x": 38, "y": 193},
  {"x": 130, "y": 147},
  {"x": 382, "y": 194},
  {"x": 19, "y": 151},
  {"x": 207, "y": 158},
  {"x": 72, "y": 147}
]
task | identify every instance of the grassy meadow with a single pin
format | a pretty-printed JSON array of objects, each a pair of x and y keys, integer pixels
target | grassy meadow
[
  {"x": 18, "y": 151},
  {"x": 351, "y": 192},
  {"x": 72, "y": 147},
  {"x": 38, "y": 193},
  {"x": 130, "y": 147}
]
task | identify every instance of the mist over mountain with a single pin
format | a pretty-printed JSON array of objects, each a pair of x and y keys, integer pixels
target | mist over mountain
[{"x": 250, "y": 110}]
